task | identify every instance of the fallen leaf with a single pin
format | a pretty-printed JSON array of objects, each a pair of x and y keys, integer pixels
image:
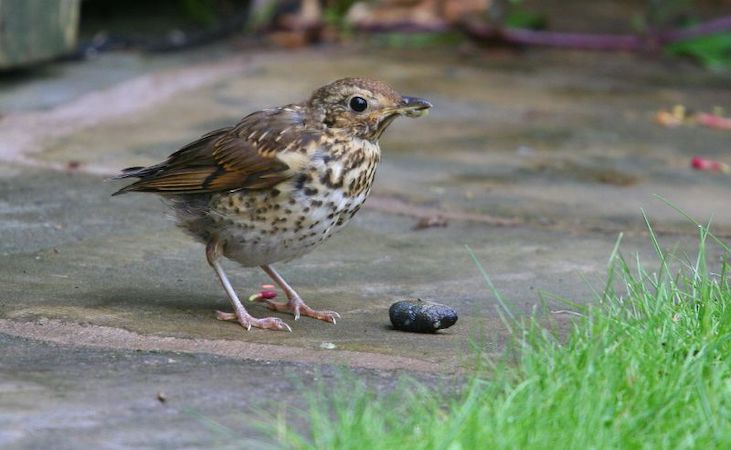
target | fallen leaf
[{"x": 431, "y": 222}]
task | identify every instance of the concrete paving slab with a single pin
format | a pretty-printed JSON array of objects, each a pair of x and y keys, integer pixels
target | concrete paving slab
[{"x": 71, "y": 397}]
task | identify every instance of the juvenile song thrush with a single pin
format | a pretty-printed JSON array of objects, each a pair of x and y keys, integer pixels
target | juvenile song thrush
[{"x": 279, "y": 183}]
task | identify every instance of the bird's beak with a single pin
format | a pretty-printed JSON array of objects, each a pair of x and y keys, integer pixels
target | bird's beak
[{"x": 414, "y": 107}]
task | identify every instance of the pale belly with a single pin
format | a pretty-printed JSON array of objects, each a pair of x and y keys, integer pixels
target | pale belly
[{"x": 258, "y": 228}]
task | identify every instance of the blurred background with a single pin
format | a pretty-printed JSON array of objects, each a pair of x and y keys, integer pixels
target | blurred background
[{"x": 38, "y": 30}]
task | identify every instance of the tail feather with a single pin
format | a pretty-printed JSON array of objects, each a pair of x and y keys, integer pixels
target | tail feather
[
  {"x": 122, "y": 191},
  {"x": 132, "y": 172}
]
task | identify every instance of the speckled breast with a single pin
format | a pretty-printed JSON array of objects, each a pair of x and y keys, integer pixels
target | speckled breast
[{"x": 279, "y": 224}]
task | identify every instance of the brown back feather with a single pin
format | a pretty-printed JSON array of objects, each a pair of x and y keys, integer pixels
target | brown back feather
[{"x": 240, "y": 157}]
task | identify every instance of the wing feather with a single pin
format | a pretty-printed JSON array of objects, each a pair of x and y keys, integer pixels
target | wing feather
[{"x": 242, "y": 157}]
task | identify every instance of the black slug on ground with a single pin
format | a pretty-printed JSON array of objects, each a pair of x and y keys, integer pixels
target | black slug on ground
[{"x": 421, "y": 317}]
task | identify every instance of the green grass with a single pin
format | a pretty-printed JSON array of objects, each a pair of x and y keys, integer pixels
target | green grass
[{"x": 647, "y": 366}]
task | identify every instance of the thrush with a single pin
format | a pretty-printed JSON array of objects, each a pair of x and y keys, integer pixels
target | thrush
[{"x": 279, "y": 183}]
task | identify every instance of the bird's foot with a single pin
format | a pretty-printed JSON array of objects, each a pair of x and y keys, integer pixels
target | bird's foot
[
  {"x": 247, "y": 321},
  {"x": 299, "y": 308}
]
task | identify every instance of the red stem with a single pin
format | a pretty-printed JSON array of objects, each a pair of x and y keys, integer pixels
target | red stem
[
  {"x": 585, "y": 41},
  {"x": 702, "y": 29}
]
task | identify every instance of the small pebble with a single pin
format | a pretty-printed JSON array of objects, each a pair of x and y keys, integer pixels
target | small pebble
[{"x": 419, "y": 316}]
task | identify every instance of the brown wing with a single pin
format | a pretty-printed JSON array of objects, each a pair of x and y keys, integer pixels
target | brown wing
[{"x": 247, "y": 156}]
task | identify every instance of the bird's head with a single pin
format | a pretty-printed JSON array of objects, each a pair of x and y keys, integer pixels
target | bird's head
[{"x": 361, "y": 107}]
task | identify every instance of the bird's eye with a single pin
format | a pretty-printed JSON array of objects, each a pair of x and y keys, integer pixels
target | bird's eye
[{"x": 358, "y": 104}]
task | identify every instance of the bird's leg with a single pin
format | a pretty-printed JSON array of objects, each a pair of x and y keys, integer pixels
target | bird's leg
[
  {"x": 295, "y": 305},
  {"x": 213, "y": 252}
]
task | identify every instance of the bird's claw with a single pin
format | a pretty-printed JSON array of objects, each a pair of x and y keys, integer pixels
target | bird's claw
[
  {"x": 267, "y": 323},
  {"x": 276, "y": 324},
  {"x": 326, "y": 316},
  {"x": 298, "y": 308},
  {"x": 220, "y": 315}
]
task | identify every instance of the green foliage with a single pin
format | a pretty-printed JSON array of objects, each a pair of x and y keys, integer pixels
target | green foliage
[
  {"x": 338, "y": 8},
  {"x": 202, "y": 12},
  {"x": 519, "y": 18},
  {"x": 144, "y": 17},
  {"x": 417, "y": 40},
  {"x": 665, "y": 13},
  {"x": 712, "y": 51},
  {"x": 646, "y": 366},
  {"x": 334, "y": 14}
]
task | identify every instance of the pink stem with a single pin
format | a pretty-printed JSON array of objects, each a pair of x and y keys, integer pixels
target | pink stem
[{"x": 702, "y": 29}]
